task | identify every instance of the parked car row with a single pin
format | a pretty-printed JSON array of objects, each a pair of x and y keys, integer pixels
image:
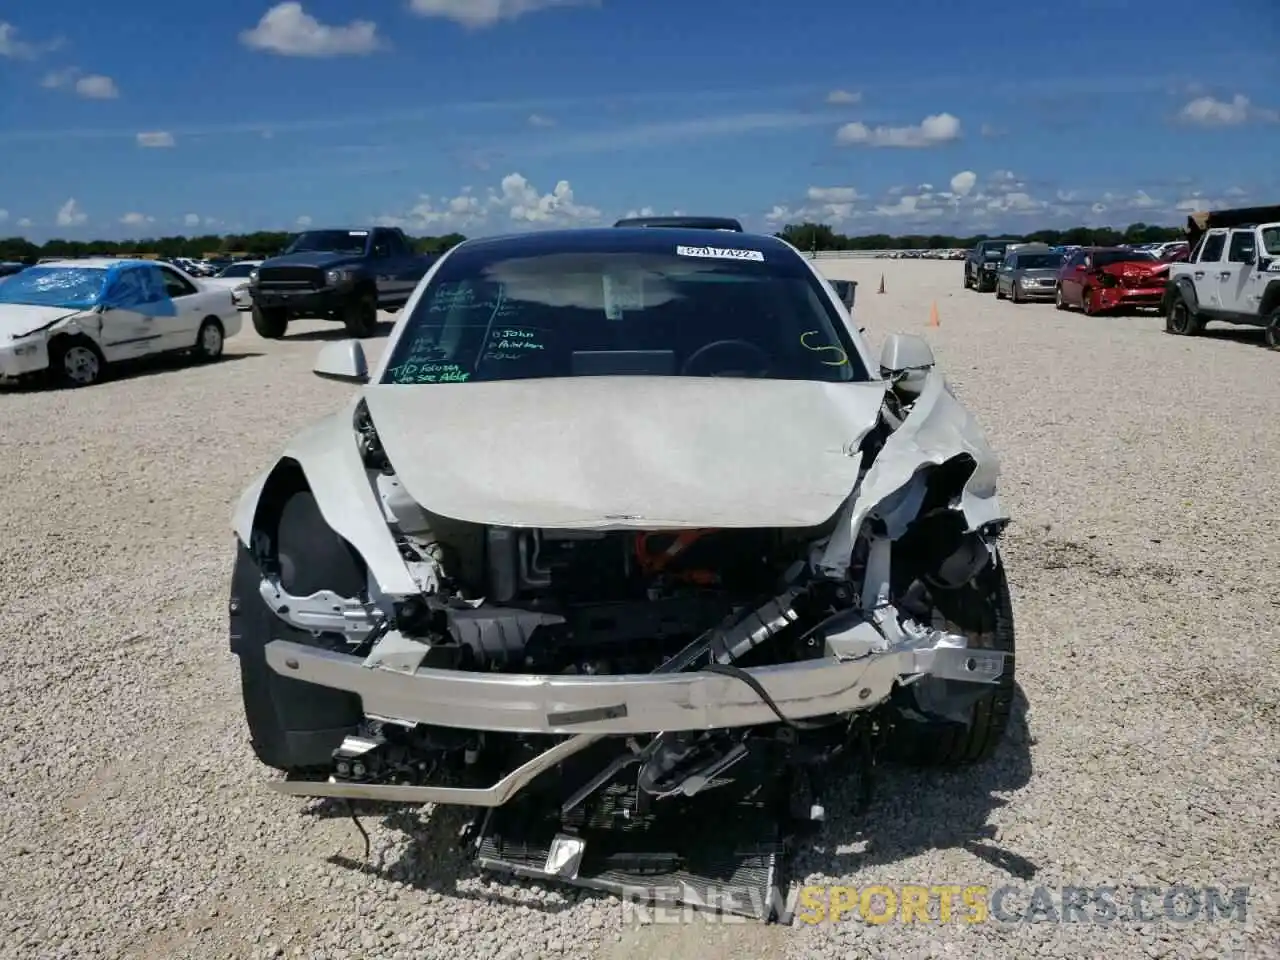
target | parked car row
[{"x": 1228, "y": 270}]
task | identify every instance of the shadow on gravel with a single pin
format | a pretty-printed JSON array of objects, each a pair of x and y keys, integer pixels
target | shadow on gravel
[
  {"x": 338, "y": 332},
  {"x": 1253, "y": 336},
  {"x": 912, "y": 811},
  {"x": 132, "y": 369}
]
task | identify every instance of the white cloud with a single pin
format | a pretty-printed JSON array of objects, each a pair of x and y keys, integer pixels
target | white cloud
[
  {"x": 92, "y": 86},
  {"x": 514, "y": 200},
  {"x": 25, "y": 222},
  {"x": 4, "y": 215},
  {"x": 538, "y": 120},
  {"x": 485, "y": 13},
  {"x": 844, "y": 96},
  {"x": 833, "y": 194},
  {"x": 155, "y": 139},
  {"x": 288, "y": 30},
  {"x": 96, "y": 86},
  {"x": 931, "y": 131},
  {"x": 962, "y": 183},
  {"x": 136, "y": 219},
  {"x": 70, "y": 214},
  {"x": 12, "y": 48},
  {"x": 304, "y": 221},
  {"x": 1209, "y": 111},
  {"x": 191, "y": 220}
]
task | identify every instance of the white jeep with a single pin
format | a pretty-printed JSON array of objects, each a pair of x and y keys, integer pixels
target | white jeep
[{"x": 1232, "y": 275}]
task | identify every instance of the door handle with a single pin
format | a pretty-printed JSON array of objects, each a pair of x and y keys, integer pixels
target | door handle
[
  {"x": 1225, "y": 275},
  {"x": 1199, "y": 274}
]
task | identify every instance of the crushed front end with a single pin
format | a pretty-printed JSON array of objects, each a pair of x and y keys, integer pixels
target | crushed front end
[{"x": 623, "y": 706}]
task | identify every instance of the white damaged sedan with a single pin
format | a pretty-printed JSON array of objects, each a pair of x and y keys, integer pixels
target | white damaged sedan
[
  {"x": 69, "y": 320},
  {"x": 625, "y": 540}
]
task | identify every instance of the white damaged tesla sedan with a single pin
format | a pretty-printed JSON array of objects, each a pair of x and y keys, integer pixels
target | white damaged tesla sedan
[
  {"x": 69, "y": 320},
  {"x": 625, "y": 539}
]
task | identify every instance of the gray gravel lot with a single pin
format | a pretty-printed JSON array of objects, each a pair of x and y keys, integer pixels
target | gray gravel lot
[{"x": 1143, "y": 472}]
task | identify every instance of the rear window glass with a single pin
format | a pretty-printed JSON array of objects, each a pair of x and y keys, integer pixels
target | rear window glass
[{"x": 577, "y": 313}]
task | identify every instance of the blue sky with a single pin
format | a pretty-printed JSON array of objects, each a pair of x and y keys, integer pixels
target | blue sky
[{"x": 484, "y": 116}]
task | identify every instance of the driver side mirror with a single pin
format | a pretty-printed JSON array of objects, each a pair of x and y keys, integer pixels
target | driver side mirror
[
  {"x": 907, "y": 360},
  {"x": 343, "y": 360}
]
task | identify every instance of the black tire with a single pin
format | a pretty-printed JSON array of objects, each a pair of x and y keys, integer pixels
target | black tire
[
  {"x": 968, "y": 284},
  {"x": 983, "y": 611},
  {"x": 75, "y": 361},
  {"x": 1271, "y": 333},
  {"x": 294, "y": 726},
  {"x": 1084, "y": 303},
  {"x": 1181, "y": 320},
  {"x": 270, "y": 322},
  {"x": 360, "y": 315},
  {"x": 1058, "y": 302},
  {"x": 999, "y": 293},
  {"x": 1013, "y": 292},
  {"x": 210, "y": 340}
]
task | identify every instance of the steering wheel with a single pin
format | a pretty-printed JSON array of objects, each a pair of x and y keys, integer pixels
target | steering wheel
[{"x": 765, "y": 362}]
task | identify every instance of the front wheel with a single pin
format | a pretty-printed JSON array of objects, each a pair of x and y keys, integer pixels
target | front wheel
[
  {"x": 982, "y": 611},
  {"x": 75, "y": 362},
  {"x": 270, "y": 322},
  {"x": 360, "y": 316},
  {"x": 1086, "y": 302},
  {"x": 1013, "y": 293},
  {"x": 1272, "y": 330}
]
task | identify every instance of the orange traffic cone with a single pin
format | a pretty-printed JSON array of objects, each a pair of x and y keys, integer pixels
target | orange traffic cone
[
  {"x": 933, "y": 315},
  {"x": 881, "y": 290}
]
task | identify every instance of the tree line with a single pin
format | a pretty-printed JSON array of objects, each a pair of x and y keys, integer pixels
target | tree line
[
  {"x": 256, "y": 245},
  {"x": 821, "y": 236},
  {"x": 805, "y": 236}
]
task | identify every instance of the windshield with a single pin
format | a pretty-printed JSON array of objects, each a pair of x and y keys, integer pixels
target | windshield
[
  {"x": 1105, "y": 258},
  {"x": 1271, "y": 240},
  {"x": 588, "y": 313},
  {"x": 1039, "y": 261},
  {"x": 330, "y": 241},
  {"x": 71, "y": 288},
  {"x": 239, "y": 270}
]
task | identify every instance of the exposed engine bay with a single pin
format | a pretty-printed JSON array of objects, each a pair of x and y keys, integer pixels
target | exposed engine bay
[{"x": 577, "y": 684}]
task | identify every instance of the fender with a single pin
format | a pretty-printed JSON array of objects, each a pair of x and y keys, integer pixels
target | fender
[
  {"x": 330, "y": 460},
  {"x": 1270, "y": 298},
  {"x": 937, "y": 430},
  {"x": 1181, "y": 285}
]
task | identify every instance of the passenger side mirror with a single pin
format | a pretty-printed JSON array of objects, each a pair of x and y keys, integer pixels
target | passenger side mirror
[
  {"x": 343, "y": 360},
  {"x": 906, "y": 359}
]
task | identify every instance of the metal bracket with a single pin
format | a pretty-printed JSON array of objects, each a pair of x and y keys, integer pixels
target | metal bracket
[{"x": 322, "y": 612}]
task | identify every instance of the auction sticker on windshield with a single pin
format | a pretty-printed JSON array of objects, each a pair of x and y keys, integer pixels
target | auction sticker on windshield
[{"x": 720, "y": 253}]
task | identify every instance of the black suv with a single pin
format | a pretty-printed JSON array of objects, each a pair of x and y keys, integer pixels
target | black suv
[{"x": 982, "y": 262}]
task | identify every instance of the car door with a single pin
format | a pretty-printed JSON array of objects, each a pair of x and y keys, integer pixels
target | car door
[
  {"x": 1072, "y": 277},
  {"x": 1208, "y": 269},
  {"x": 1004, "y": 279},
  {"x": 178, "y": 324},
  {"x": 1237, "y": 287},
  {"x": 406, "y": 273},
  {"x": 128, "y": 328},
  {"x": 383, "y": 264}
]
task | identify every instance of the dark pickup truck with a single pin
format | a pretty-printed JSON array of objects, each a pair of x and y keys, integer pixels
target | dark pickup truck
[
  {"x": 982, "y": 263},
  {"x": 345, "y": 275}
]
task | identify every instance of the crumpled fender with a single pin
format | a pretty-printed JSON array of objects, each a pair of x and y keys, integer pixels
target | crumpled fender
[
  {"x": 330, "y": 460},
  {"x": 937, "y": 430}
]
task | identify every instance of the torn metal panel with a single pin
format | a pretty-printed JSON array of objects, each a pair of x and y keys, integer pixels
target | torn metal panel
[{"x": 937, "y": 429}]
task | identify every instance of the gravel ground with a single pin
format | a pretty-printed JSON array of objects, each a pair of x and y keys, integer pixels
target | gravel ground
[{"x": 1141, "y": 470}]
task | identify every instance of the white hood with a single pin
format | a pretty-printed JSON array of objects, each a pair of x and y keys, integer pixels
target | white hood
[
  {"x": 628, "y": 452},
  {"x": 19, "y": 318}
]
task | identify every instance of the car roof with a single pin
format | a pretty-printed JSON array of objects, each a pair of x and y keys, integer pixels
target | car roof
[
  {"x": 628, "y": 240},
  {"x": 98, "y": 263}
]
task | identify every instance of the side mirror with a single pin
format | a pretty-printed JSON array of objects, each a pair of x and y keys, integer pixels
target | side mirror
[
  {"x": 907, "y": 360},
  {"x": 342, "y": 360}
]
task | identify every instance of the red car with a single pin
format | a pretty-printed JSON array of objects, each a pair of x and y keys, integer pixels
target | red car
[{"x": 1103, "y": 279}]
